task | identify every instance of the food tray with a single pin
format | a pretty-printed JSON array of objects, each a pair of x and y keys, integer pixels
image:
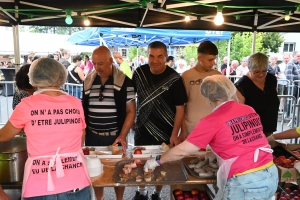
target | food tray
[
  {"x": 186, "y": 162},
  {"x": 175, "y": 173},
  {"x": 105, "y": 152}
]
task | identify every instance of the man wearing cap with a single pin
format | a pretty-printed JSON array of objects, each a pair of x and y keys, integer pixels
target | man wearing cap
[{"x": 109, "y": 106}]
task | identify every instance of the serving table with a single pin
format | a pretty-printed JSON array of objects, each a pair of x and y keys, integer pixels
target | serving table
[{"x": 106, "y": 178}]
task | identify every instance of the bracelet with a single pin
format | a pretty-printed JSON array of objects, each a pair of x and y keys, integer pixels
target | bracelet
[
  {"x": 298, "y": 129},
  {"x": 158, "y": 161}
]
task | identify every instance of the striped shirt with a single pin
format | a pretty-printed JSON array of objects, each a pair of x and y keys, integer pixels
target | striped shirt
[{"x": 102, "y": 115}]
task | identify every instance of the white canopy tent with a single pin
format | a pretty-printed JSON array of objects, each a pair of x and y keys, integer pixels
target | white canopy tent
[{"x": 39, "y": 43}]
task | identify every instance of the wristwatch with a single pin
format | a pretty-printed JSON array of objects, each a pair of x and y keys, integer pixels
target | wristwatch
[{"x": 157, "y": 158}]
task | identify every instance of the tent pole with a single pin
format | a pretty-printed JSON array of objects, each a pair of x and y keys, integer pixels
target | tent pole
[
  {"x": 253, "y": 42},
  {"x": 137, "y": 55},
  {"x": 228, "y": 60},
  {"x": 16, "y": 47}
]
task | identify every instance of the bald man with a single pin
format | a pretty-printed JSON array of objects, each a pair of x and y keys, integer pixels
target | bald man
[
  {"x": 109, "y": 106},
  {"x": 124, "y": 66}
]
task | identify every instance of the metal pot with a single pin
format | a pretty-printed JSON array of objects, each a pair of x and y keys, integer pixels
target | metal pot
[{"x": 13, "y": 155}]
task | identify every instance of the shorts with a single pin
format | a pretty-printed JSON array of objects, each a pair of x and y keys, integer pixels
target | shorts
[
  {"x": 92, "y": 139},
  {"x": 83, "y": 194},
  {"x": 257, "y": 185}
]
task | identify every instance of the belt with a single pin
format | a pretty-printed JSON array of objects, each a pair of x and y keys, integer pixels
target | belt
[
  {"x": 269, "y": 164},
  {"x": 108, "y": 133}
]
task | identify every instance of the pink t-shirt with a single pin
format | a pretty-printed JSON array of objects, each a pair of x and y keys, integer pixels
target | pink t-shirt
[
  {"x": 233, "y": 130},
  {"x": 51, "y": 122},
  {"x": 88, "y": 68}
]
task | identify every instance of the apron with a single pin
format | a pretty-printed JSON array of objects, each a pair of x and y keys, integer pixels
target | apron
[
  {"x": 225, "y": 165},
  {"x": 54, "y": 159},
  {"x": 224, "y": 169}
]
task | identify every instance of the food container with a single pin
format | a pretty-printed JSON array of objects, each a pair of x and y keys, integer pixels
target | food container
[
  {"x": 175, "y": 173},
  {"x": 13, "y": 155}
]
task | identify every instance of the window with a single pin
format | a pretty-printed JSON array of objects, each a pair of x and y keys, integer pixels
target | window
[
  {"x": 289, "y": 47},
  {"x": 124, "y": 53}
]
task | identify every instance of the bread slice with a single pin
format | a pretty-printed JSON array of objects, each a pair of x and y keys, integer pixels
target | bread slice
[
  {"x": 114, "y": 149},
  {"x": 165, "y": 147}
]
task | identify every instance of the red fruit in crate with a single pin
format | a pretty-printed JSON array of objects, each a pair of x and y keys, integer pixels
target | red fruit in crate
[
  {"x": 196, "y": 197},
  {"x": 137, "y": 151},
  {"x": 179, "y": 197},
  {"x": 194, "y": 191},
  {"x": 296, "y": 198},
  {"x": 202, "y": 194},
  {"x": 187, "y": 194},
  {"x": 296, "y": 192},
  {"x": 281, "y": 158},
  {"x": 177, "y": 192},
  {"x": 292, "y": 158},
  {"x": 292, "y": 194},
  {"x": 287, "y": 197},
  {"x": 282, "y": 198},
  {"x": 288, "y": 190},
  {"x": 287, "y": 161}
]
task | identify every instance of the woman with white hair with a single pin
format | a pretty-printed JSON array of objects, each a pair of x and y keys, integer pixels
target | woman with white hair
[
  {"x": 258, "y": 89},
  {"x": 54, "y": 124},
  {"x": 234, "y": 133}
]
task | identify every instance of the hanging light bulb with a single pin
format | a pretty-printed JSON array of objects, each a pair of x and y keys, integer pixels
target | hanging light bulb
[
  {"x": 219, "y": 19},
  {"x": 68, "y": 19},
  {"x": 187, "y": 18},
  {"x": 287, "y": 15},
  {"x": 86, "y": 21}
]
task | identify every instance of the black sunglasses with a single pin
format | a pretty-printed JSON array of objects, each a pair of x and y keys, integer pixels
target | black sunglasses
[{"x": 101, "y": 97}]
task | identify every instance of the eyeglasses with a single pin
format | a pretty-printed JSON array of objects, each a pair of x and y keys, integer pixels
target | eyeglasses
[
  {"x": 101, "y": 96},
  {"x": 259, "y": 72}
]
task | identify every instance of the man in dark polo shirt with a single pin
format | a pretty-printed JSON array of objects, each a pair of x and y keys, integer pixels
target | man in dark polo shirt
[
  {"x": 161, "y": 97},
  {"x": 109, "y": 106}
]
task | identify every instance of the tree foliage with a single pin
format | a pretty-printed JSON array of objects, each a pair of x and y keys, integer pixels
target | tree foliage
[
  {"x": 133, "y": 52},
  {"x": 272, "y": 41},
  {"x": 190, "y": 51}
]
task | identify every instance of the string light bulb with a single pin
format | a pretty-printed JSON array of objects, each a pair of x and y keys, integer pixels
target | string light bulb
[
  {"x": 187, "y": 18},
  {"x": 68, "y": 19},
  {"x": 219, "y": 19},
  {"x": 86, "y": 21},
  {"x": 287, "y": 15}
]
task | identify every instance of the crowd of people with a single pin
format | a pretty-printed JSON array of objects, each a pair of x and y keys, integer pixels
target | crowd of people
[{"x": 189, "y": 108}]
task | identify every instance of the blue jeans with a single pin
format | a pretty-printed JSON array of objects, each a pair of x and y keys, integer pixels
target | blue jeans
[
  {"x": 83, "y": 194},
  {"x": 260, "y": 185},
  {"x": 75, "y": 91}
]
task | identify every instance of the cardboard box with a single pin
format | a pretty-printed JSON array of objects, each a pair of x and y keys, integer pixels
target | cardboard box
[{"x": 287, "y": 174}]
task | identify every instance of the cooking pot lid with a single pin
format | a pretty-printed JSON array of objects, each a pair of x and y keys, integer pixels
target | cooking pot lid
[{"x": 16, "y": 144}]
